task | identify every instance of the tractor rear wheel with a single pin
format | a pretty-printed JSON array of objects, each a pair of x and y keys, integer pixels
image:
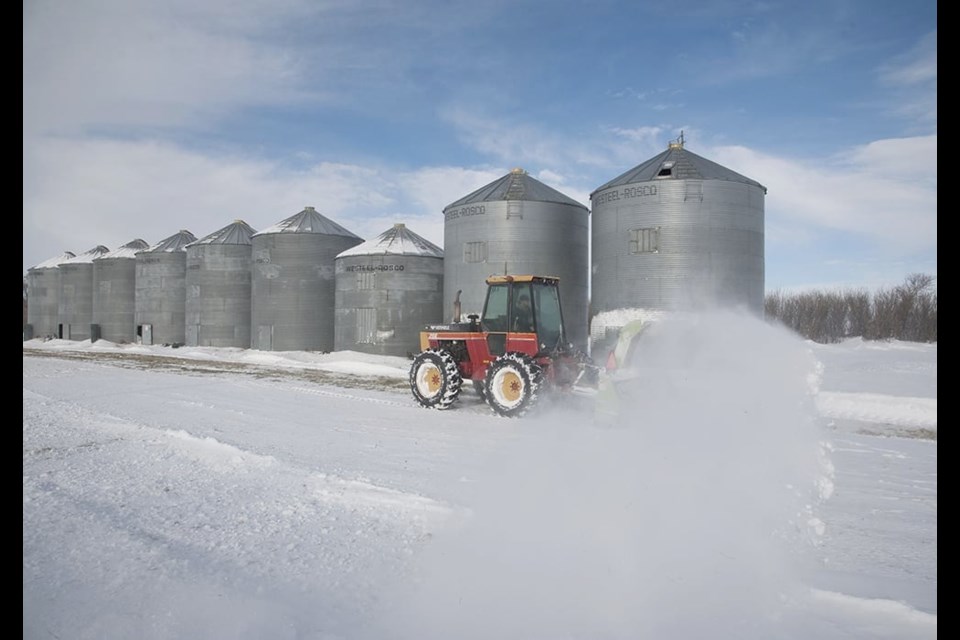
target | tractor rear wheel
[
  {"x": 435, "y": 379},
  {"x": 512, "y": 384}
]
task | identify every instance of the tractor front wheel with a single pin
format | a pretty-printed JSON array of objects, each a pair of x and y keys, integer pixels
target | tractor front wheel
[
  {"x": 435, "y": 379},
  {"x": 512, "y": 384}
]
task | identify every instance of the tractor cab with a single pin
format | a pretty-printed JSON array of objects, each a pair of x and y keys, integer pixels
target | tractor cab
[{"x": 522, "y": 313}]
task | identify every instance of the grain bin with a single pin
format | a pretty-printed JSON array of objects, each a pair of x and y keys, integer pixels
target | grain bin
[
  {"x": 517, "y": 225},
  {"x": 678, "y": 232},
  {"x": 217, "y": 310},
  {"x": 43, "y": 287},
  {"x": 388, "y": 288},
  {"x": 293, "y": 282},
  {"x": 114, "y": 292},
  {"x": 75, "y": 301},
  {"x": 161, "y": 296}
]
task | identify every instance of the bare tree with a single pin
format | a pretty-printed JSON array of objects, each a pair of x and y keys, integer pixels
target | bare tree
[
  {"x": 906, "y": 312},
  {"x": 883, "y": 325},
  {"x": 857, "y": 303},
  {"x": 917, "y": 302}
]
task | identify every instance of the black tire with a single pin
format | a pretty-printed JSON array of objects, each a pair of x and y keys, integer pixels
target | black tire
[
  {"x": 478, "y": 386},
  {"x": 435, "y": 379},
  {"x": 512, "y": 384}
]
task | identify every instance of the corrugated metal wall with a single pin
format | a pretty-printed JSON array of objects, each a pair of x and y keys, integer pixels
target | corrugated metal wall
[
  {"x": 217, "y": 310},
  {"x": 114, "y": 298},
  {"x": 383, "y": 302},
  {"x": 294, "y": 290},
  {"x": 678, "y": 245},
  {"x": 75, "y": 302},
  {"x": 161, "y": 296},
  {"x": 43, "y": 310},
  {"x": 114, "y": 292}
]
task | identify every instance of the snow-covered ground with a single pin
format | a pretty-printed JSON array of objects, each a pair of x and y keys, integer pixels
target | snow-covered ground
[{"x": 788, "y": 490}]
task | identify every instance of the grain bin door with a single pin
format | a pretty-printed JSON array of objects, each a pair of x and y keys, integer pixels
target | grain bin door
[
  {"x": 265, "y": 337},
  {"x": 366, "y": 325}
]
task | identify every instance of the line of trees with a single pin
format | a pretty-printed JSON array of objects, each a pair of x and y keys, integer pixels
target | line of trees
[{"x": 905, "y": 312}]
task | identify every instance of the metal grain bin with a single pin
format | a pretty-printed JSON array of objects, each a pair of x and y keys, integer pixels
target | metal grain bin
[
  {"x": 293, "y": 282},
  {"x": 43, "y": 286},
  {"x": 517, "y": 225},
  {"x": 388, "y": 288},
  {"x": 75, "y": 301},
  {"x": 217, "y": 311},
  {"x": 678, "y": 232},
  {"x": 161, "y": 295},
  {"x": 114, "y": 292}
]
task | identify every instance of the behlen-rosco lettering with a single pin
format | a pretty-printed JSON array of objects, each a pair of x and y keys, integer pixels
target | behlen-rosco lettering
[{"x": 374, "y": 267}]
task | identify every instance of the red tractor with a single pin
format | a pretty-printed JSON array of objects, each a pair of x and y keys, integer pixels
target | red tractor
[{"x": 516, "y": 349}]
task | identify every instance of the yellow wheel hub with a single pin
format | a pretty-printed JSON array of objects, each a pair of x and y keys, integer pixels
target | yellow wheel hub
[
  {"x": 511, "y": 386},
  {"x": 429, "y": 380}
]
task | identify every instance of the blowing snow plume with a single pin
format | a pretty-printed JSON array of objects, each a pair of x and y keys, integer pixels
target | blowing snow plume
[{"x": 686, "y": 519}]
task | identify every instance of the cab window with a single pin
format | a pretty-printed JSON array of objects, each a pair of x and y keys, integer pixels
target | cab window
[
  {"x": 495, "y": 310},
  {"x": 546, "y": 301},
  {"x": 522, "y": 315}
]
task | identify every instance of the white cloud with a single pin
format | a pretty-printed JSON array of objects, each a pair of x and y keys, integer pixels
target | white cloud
[
  {"x": 138, "y": 63},
  {"x": 916, "y": 67},
  {"x": 518, "y": 142},
  {"x": 419, "y": 199},
  {"x": 80, "y": 193},
  {"x": 881, "y": 191},
  {"x": 912, "y": 159},
  {"x": 651, "y": 136},
  {"x": 92, "y": 192},
  {"x": 549, "y": 177},
  {"x": 433, "y": 188}
]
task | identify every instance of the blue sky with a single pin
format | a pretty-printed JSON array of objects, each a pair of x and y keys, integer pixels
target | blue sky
[{"x": 144, "y": 117}]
